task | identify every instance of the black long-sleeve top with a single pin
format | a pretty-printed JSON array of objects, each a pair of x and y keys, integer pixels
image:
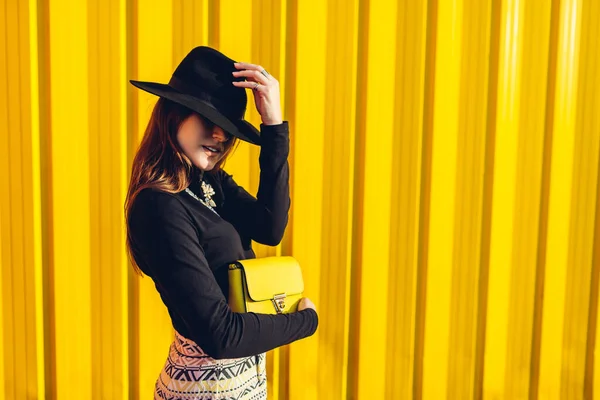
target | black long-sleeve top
[{"x": 186, "y": 249}]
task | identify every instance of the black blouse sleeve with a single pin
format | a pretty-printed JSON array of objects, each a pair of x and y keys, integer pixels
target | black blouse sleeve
[
  {"x": 264, "y": 218},
  {"x": 166, "y": 246}
]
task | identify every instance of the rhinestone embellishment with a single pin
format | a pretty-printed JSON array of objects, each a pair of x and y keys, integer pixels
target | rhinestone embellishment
[{"x": 208, "y": 193}]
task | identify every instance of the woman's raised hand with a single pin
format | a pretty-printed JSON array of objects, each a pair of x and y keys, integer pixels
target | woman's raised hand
[{"x": 265, "y": 89}]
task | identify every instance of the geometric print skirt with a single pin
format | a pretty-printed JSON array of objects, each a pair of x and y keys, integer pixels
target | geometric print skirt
[{"x": 191, "y": 374}]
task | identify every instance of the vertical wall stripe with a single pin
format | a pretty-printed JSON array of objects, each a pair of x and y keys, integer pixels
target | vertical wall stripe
[
  {"x": 20, "y": 289},
  {"x": 553, "y": 363},
  {"x": 497, "y": 332},
  {"x": 429, "y": 95},
  {"x": 69, "y": 99},
  {"x": 47, "y": 219},
  {"x": 190, "y": 26},
  {"x": 495, "y": 11},
  {"x": 338, "y": 159},
  {"x": 443, "y": 197},
  {"x": 535, "y": 32},
  {"x": 125, "y": 272},
  {"x": 106, "y": 83},
  {"x": 585, "y": 172},
  {"x": 544, "y": 198},
  {"x": 405, "y": 182},
  {"x": 7, "y": 361},
  {"x": 96, "y": 87},
  {"x": 379, "y": 126},
  {"x": 592, "y": 367},
  {"x": 39, "y": 281},
  {"x": 591, "y": 41},
  {"x": 470, "y": 158}
]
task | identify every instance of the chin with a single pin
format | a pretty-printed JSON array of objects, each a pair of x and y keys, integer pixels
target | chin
[{"x": 205, "y": 165}]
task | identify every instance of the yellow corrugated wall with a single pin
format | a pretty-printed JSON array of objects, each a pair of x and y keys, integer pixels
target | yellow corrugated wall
[{"x": 445, "y": 187}]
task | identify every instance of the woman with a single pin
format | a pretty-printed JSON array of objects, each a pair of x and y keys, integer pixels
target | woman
[{"x": 187, "y": 220}]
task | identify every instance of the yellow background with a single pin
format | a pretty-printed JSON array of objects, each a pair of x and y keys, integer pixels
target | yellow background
[{"x": 445, "y": 177}]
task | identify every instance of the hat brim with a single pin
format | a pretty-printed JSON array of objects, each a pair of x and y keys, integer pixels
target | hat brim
[{"x": 238, "y": 128}]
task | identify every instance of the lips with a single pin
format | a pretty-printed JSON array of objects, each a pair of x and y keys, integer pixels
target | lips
[{"x": 212, "y": 149}]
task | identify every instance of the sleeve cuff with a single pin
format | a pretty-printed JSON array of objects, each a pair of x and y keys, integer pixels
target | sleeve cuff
[
  {"x": 314, "y": 318},
  {"x": 272, "y": 129}
]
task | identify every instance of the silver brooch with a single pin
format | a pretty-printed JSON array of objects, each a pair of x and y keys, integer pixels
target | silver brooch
[
  {"x": 209, "y": 192},
  {"x": 210, "y": 204}
]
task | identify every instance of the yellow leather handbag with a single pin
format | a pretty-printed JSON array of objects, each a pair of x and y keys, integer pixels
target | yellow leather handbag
[{"x": 269, "y": 285}]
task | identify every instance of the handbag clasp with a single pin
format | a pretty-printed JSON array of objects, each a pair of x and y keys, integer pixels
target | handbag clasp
[{"x": 279, "y": 302}]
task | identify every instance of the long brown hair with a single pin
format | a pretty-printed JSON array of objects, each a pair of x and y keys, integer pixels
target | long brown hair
[{"x": 159, "y": 162}]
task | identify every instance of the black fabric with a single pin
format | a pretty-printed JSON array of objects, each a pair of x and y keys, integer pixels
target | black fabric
[
  {"x": 203, "y": 82},
  {"x": 186, "y": 248}
]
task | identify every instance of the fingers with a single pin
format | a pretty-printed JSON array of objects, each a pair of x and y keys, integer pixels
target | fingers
[
  {"x": 253, "y": 75},
  {"x": 256, "y": 77},
  {"x": 254, "y": 67},
  {"x": 249, "y": 66},
  {"x": 249, "y": 85}
]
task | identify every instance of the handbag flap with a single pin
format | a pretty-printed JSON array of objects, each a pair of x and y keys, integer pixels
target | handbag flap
[{"x": 270, "y": 276}]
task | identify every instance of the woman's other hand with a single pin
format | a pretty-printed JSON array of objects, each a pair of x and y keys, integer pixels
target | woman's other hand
[
  {"x": 306, "y": 303},
  {"x": 265, "y": 89}
]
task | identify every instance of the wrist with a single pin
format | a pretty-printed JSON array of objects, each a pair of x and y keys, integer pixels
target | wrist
[
  {"x": 280, "y": 128},
  {"x": 268, "y": 122}
]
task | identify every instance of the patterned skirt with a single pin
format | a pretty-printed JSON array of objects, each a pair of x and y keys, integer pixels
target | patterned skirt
[{"x": 190, "y": 374}]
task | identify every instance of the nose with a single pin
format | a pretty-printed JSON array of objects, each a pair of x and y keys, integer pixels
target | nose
[{"x": 219, "y": 135}]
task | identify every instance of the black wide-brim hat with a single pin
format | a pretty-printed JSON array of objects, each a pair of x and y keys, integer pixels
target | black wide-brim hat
[{"x": 203, "y": 82}]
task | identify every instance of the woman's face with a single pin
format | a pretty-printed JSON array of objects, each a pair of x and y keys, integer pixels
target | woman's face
[{"x": 203, "y": 145}]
